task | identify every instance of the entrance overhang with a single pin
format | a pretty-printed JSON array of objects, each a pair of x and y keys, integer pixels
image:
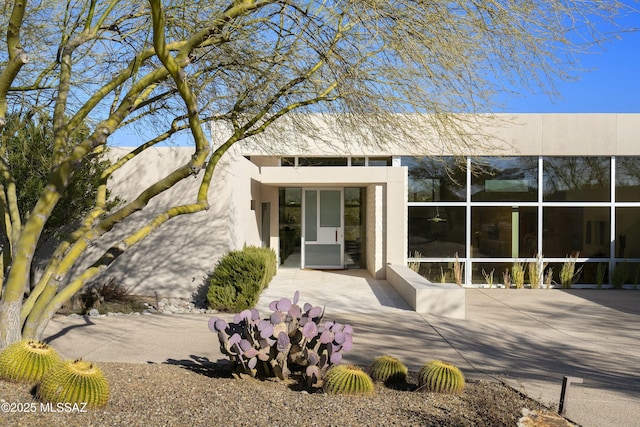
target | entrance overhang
[
  {"x": 332, "y": 176},
  {"x": 386, "y": 189}
]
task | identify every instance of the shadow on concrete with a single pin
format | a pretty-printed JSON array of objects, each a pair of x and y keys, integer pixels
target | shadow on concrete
[
  {"x": 624, "y": 300},
  {"x": 68, "y": 329}
]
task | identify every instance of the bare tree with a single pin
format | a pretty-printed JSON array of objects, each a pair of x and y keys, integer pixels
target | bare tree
[{"x": 387, "y": 68}]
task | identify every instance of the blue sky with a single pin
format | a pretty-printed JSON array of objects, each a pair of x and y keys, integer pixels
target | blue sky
[{"x": 612, "y": 84}]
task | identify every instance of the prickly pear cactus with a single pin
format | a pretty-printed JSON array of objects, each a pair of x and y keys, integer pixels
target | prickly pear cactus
[
  {"x": 347, "y": 379},
  {"x": 26, "y": 361},
  {"x": 74, "y": 382},
  {"x": 441, "y": 377},
  {"x": 291, "y": 338},
  {"x": 389, "y": 370}
]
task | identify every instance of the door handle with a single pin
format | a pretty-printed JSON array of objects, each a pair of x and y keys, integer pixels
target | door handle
[{"x": 336, "y": 235}]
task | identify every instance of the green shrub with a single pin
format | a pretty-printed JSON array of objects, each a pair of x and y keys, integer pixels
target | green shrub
[{"x": 239, "y": 278}]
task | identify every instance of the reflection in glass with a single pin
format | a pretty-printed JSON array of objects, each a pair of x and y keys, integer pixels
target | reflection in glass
[
  {"x": 354, "y": 227},
  {"x": 322, "y": 161},
  {"x": 290, "y": 220},
  {"x": 583, "y": 179},
  {"x": 379, "y": 161},
  {"x": 505, "y": 179},
  {"x": 570, "y": 231},
  {"x": 437, "y": 272},
  {"x": 484, "y": 273},
  {"x": 504, "y": 231},
  {"x": 435, "y": 179},
  {"x": 436, "y": 231},
  {"x": 627, "y": 230},
  {"x": 627, "y": 179}
]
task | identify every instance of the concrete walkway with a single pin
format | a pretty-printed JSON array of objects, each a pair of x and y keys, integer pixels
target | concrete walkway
[{"x": 528, "y": 338}]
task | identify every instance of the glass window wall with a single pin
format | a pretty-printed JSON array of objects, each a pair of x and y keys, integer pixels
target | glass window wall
[
  {"x": 576, "y": 231},
  {"x": 435, "y": 180},
  {"x": 436, "y": 231},
  {"x": 628, "y": 179},
  {"x": 505, "y": 179},
  {"x": 579, "y": 179}
]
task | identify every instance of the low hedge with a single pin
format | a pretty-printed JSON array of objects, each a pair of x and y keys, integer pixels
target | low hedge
[{"x": 239, "y": 278}]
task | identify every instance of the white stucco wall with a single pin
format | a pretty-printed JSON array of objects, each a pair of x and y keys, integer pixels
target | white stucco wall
[{"x": 174, "y": 260}]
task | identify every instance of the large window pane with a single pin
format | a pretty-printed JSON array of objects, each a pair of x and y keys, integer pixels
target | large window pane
[
  {"x": 311, "y": 215},
  {"x": 582, "y": 179},
  {"x": 489, "y": 274},
  {"x": 504, "y": 231},
  {"x": 628, "y": 179},
  {"x": 354, "y": 227},
  {"x": 436, "y": 231},
  {"x": 627, "y": 232},
  {"x": 290, "y": 210},
  {"x": 505, "y": 179},
  {"x": 576, "y": 230},
  {"x": 435, "y": 179}
]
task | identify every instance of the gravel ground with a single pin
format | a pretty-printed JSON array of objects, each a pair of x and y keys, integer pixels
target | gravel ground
[{"x": 172, "y": 395}]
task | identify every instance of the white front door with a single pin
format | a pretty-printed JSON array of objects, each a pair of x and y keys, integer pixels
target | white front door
[{"x": 322, "y": 228}]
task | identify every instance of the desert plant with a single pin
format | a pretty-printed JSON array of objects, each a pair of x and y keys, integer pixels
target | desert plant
[
  {"x": 108, "y": 296},
  {"x": 74, "y": 382},
  {"x": 506, "y": 279},
  {"x": 517, "y": 274},
  {"x": 458, "y": 271},
  {"x": 620, "y": 275},
  {"x": 26, "y": 361},
  {"x": 240, "y": 277},
  {"x": 536, "y": 271},
  {"x": 388, "y": 369},
  {"x": 347, "y": 379},
  {"x": 548, "y": 278},
  {"x": 443, "y": 276},
  {"x": 440, "y": 377},
  {"x": 488, "y": 277},
  {"x": 568, "y": 272},
  {"x": 290, "y": 339},
  {"x": 601, "y": 270},
  {"x": 415, "y": 265}
]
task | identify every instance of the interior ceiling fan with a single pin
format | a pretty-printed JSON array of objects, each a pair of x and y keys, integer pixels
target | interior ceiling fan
[{"x": 437, "y": 218}]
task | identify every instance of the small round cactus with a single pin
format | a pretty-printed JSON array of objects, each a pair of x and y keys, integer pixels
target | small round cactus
[
  {"x": 347, "y": 379},
  {"x": 389, "y": 370},
  {"x": 26, "y": 361},
  {"x": 441, "y": 377},
  {"x": 74, "y": 381}
]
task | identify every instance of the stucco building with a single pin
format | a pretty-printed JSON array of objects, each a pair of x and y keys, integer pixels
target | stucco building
[{"x": 552, "y": 184}]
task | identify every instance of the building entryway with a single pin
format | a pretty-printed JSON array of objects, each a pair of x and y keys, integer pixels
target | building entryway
[{"x": 322, "y": 228}]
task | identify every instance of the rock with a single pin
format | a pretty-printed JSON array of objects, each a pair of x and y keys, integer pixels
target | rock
[
  {"x": 94, "y": 312},
  {"x": 542, "y": 419}
]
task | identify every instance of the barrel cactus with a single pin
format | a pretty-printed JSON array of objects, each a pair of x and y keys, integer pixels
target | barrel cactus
[
  {"x": 74, "y": 381},
  {"x": 389, "y": 370},
  {"x": 347, "y": 379},
  {"x": 26, "y": 361},
  {"x": 440, "y": 377}
]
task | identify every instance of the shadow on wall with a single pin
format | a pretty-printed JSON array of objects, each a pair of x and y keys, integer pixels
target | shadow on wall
[{"x": 173, "y": 260}]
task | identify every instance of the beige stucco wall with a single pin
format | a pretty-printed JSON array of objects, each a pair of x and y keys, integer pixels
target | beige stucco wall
[
  {"x": 504, "y": 134},
  {"x": 174, "y": 260}
]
